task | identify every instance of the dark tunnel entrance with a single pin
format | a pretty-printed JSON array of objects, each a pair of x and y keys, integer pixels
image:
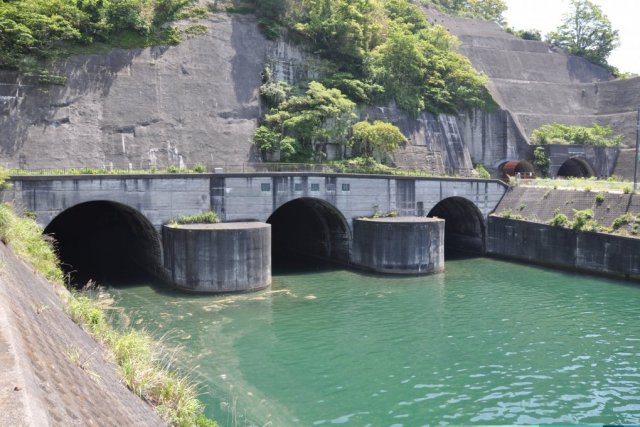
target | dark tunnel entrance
[
  {"x": 575, "y": 167},
  {"x": 308, "y": 230},
  {"x": 464, "y": 226},
  {"x": 519, "y": 168},
  {"x": 106, "y": 242}
]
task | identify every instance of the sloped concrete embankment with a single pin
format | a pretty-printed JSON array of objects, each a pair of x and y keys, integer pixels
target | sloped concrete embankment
[
  {"x": 53, "y": 372},
  {"x": 539, "y": 84},
  {"x": 531, "y": 240}
]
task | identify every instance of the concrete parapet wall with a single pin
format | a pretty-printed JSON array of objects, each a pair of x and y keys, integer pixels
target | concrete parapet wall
[
  {"x": 238, "y": 197},
  {"x": 219, "y": 258},
  {"x": 399, "y": 245},
  {"x": 556, "y": 246}
]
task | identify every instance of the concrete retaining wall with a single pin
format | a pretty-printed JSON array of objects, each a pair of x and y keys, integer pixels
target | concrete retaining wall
[
  {"x": 230, "y": 257},
  {"x": 399, "y": 245},
  {"x": 556, "y": 246}
]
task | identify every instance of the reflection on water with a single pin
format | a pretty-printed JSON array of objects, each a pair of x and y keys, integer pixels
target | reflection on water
[{"x": 484, "y": 342}]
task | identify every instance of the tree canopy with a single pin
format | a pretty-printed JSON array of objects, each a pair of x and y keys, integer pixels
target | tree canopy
[
  {"x": 296, "y": 125},
  {"x": 378, "y": 51},
  {"x": 586, "y": 31},
  {"x": 385, "y": 50},
  {"x": 36, "y": 27},
  {"x": 557, "y": 133},
  {"x": 374, "y": 140}
]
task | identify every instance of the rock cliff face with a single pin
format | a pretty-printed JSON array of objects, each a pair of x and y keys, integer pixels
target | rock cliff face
[
  {"x": 198, "y": 102},
  {"x": 193, "y": 103}
]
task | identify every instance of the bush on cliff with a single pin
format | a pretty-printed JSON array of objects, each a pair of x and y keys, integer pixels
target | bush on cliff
[
  {"x": 596, "y": 135},
  {"x": 37, "y": 29},
  {"x": 382, "y": 50}
]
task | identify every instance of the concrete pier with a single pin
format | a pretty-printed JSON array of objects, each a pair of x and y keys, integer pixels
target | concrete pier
[
  {"x": 399, "y": 245},
  {"x": 218, "y": 258}
]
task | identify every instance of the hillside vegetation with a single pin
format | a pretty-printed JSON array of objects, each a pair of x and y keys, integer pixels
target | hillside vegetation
[
  {"x": 379, "y": 51},
  {"x": 31, "y": 30}
]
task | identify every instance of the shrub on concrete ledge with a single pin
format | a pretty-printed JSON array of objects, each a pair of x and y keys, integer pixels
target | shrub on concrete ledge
[{"x": 201, "y": 218}]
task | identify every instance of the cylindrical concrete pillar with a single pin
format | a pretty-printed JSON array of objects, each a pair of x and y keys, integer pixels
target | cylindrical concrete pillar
[
  {"x": 399, "y": 245},
  {"x": 218, "y": 258}
]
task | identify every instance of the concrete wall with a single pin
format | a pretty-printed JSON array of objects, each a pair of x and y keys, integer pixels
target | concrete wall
[
  {"x": 353, "y": 195},
  {"x": 601, "y": 159},
  {"x": 218, "y": 258},
  {"x": 158, "y": 198},
  {"x": 556, "y": 246},
  {"x": 196, "y": 102},
  {"x": 251, "y": 196},
  {"x": 400, "y": 245}
]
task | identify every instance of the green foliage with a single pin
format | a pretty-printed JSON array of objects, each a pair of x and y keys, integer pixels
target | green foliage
[
  {"x": 530, "y": 34},
  {"x": 559, "y": 220},
  {"x": 360, "y": 165},
  {"x": 171, "y": 36},
  {"x": 194, "y": 12},
  {"x": 489, "y": 10},
  {"x": 421, "y": 71},
  {"x": 586, "y": 31},
  {"x": 142, "y": 365},
  {"x": 556, "y": 133},
  {"x": 377, "y": 139},
  {"x": 356, "y": 89},
  {"x": 382, "y": 50},
  {"x": 40, "y": 29},
  {"x": 342, "y": 30},
  {"x": 541, "y": 161},
  {"x": 299, "y": 123},
  {"x": 194, "y": 30},
  {"x": 199, "y": 168},
  {"x": 4, "y": 176},
  {"x": 583, "y": 220},
  {"x": 201, "y": 218},
  {"x": 622, "y": 220},
  {"x": 626, "y": 189},
  {"x": 24, "y": 236},
  {"x": 273, "y": 92},
  {"x": 482, "y": 171},
  {"x": 599, "y": 198}
]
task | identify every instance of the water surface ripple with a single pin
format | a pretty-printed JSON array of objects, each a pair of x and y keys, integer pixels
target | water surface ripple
[{"x": 487, "y": 342}]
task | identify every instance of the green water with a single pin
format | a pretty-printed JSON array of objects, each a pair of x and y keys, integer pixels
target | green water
[{"x": 487, "y": 342}]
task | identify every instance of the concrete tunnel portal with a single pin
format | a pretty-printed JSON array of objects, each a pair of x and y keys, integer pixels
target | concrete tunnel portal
[
  {"x": 307, "y": 229},
  {"x": 576, "y": 167},
  {"x": 464, "y": 225},
  {"x": 106, "y": 242}
]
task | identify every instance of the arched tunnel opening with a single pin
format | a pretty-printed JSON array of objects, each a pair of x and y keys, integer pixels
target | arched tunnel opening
[
  {"x": 106, "y": 242},
  {"x": 521, "y": 168},
  {"x": 306, "y": 231},
  {"x": 575, "y": 168},
  {"x": 464, "y": 226}
]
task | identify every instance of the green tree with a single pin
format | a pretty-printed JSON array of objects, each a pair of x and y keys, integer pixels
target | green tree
[
  {"x": 596, "y": 135},
  {"x": 541, "y": 161},
  {"x": 377, "y": 139},
  {"x": 300, "y": 123},
  {"x": 586, "y": 31},
  {"x": 343, "y": 31}
]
